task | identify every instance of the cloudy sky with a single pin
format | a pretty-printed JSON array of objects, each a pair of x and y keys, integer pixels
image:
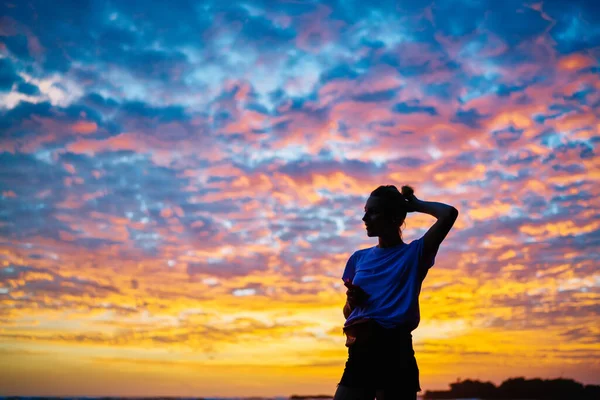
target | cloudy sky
[{"x": 181, "y": 184}]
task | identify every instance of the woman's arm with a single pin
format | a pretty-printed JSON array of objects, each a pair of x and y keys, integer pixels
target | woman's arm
[
  {"x": 355, "y": 296},
  {"x": 446, "y": 216},
  {"x": 347, "y": 310}
]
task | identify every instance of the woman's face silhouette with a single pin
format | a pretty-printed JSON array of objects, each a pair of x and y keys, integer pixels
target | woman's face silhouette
[{"x": 377, "y": 221}]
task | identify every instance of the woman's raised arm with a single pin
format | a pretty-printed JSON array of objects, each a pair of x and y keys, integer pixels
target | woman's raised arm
[{"x": 446, "y": 216}]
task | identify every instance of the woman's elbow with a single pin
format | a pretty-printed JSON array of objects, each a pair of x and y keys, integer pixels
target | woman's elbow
[{"x": 452, "y": 213}]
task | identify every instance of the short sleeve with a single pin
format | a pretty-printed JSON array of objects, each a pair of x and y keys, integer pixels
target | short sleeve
[
  {"x": 350, "y": 269},
  {"x": 425, "y": 261}
]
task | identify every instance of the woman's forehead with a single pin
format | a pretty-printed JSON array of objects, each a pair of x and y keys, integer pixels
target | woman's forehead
[{"x": 373, "y": 202}]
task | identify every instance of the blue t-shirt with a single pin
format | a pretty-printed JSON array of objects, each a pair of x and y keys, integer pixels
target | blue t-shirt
[{"x": 391, "y": 277}]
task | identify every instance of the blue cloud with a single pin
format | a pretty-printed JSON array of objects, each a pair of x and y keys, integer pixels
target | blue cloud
[
  {"x": 506, "y": 90},
  {"x": 581, "y": 96},
  {"x": 17, "y": 45},
  {"x": 411, "y": 162},
  {"x": 96, "y": 101},
  {"x": 113, "y": 37},
  {"x": 355, "y": 10},
  {"x": 63, "y": 28},
  {"x": 414, "y": 108},
  {"x": 155, "y": 64},
  {"x": 263, "y": 31},
  {"x": 506, "y": 136},
  {"x": 131, "y": 185},
  {"x": 444, "y": 91},
  {"x": 343, "y": 71},
  {"x": 570, "y": 169},
  {"x": 470, "y": 118},
  {"x": 457, "y": 20},
  {"x": 523, "y": 157},
  {"x": 120, "y": 33},
  {"x": 257, "y": 107},
  {"x": 13, "y": 121},
  {"x": 161, "y": 114},
  {"x": 24, "y": 110},
  {"x": 28, "y": 89},
  {"x": 8, "y": 75},
  {"x": 515, "y": 23},
  {"x": 376, "y": 97},
  {"x": 477, "y": 157},
  {"x": 576, "y": 25},
  {"x": 27, "y": 215},
  {"x": 305, "y": 168}
]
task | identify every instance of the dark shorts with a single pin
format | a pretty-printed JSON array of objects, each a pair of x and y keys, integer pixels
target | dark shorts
[{"x": 381, "y": 359}]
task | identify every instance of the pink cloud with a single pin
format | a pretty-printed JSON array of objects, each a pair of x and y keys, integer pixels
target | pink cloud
[
  {"x": 84, "y": 127},
  {"x": 316, "y": 30}
]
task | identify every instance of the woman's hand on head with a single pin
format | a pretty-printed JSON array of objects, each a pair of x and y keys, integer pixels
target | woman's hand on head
[{"x": 412, "y": 202}]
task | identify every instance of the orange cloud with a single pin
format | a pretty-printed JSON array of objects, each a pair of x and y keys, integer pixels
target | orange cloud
[
  {"x": 84, "y": 127},
  {"x": 576, "y": 61}
]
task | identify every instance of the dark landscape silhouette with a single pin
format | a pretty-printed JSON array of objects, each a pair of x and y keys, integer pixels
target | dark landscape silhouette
[
  {"x": 518, "y": 388},
  {"x": 511, "y": 389}
]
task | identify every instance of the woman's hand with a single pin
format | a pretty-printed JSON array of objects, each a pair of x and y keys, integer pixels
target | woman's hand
[
  {"x": 356, "y": 296},
  {"x": 412, "y": 203}
]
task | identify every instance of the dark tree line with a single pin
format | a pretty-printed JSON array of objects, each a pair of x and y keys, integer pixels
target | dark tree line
[{"x": 518, "y": 388}]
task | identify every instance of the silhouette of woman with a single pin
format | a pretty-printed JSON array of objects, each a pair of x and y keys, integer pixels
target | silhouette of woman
[{"x": 382, "y": 307}]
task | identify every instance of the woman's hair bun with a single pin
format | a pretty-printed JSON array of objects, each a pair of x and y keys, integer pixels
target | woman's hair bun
[
  {"x": 392, "y": 194},
  {"x": 407, "y": 191}
]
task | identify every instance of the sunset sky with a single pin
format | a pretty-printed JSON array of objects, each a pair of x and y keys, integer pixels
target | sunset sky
[{"x": 182, "y": 183}]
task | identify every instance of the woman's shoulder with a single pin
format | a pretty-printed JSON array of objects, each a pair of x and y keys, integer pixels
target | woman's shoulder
[
  {"x": 359, "y": 254},
  {"x": 362, "y": 252}
]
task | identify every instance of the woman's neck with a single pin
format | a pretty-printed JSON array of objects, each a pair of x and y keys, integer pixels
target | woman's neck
[{"x": 389, "y": 241}]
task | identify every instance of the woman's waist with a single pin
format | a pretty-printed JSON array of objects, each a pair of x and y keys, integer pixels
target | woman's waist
[
  {"x": 404, "y": 322},
  {"x": 388, "y": 313},
  {"x": 371, "y": 327},
  {"x": 371, "y": 336}
]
